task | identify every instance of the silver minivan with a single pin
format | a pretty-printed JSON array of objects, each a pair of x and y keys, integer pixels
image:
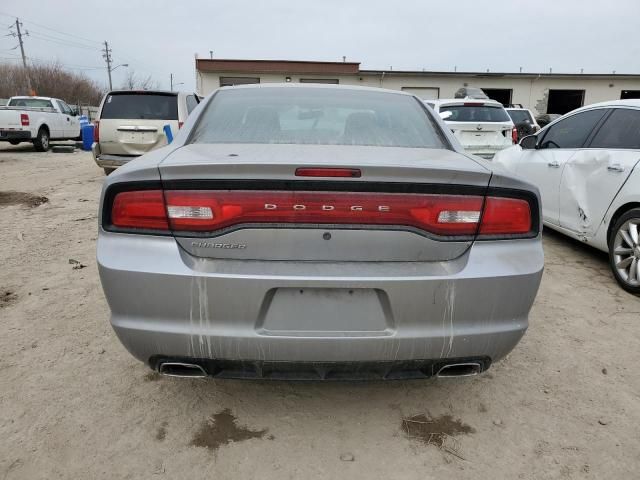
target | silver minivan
[{"x": 131, "y": 123}]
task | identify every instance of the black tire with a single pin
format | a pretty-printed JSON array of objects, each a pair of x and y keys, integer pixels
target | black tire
[
  {"x": 109, "y": 171},
  {"x": 42, "y": 140},
  {"x": 624, "y": 251},
  {"x": 14, "y": 142}
]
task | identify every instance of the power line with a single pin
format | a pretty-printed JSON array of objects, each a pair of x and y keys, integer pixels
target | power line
[
  {"x": 38, "y": 36},
  {"x": 65, "y": 40},
  {"x": 52, "y": 29}
]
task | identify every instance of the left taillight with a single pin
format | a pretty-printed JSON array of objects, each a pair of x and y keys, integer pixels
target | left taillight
[
  {"x": 139, "y": 210},
  {"x": 24, "y": 119},
  {"x": 514, "y": 135},
  {"x": 504, "y": 216}
]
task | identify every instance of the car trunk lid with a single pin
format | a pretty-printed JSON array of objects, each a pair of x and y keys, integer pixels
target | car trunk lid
[{"x": 280, "y": 215}]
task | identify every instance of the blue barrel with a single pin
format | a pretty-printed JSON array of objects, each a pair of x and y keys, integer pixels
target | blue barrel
[{"x": 87, "y": 137}]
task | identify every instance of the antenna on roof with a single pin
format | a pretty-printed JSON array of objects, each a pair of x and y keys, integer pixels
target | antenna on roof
[
  {"x": 520, "y": 69},
  {"x": 344, "y": 59},
  {"x": 211, "y": 54}
]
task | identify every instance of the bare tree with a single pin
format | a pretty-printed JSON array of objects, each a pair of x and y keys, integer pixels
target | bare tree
[
  {"x": 50, "y": 80},
  {"x": 134, "y": 82}
]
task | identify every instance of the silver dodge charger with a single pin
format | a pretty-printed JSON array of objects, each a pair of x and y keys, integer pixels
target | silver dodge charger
[{"x": 317, "y": 232}]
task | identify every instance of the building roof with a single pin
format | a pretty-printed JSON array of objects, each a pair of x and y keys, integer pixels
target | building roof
[
  {"x": 276, "y": 66},
  {"x": 296, "y": 67}
]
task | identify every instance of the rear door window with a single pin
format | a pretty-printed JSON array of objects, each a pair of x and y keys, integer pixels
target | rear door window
[
  {"x": 30, "y": 102},
  {"x": 475, "y": 113},
  {"x": 140, "y": 106},
  {"x": 573, "y": 131},
  {"x": 520, "y": 116},
  {"x": 620, "y": 130}
]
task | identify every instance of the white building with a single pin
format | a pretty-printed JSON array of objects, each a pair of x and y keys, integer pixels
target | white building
[{"x": 541, "y": 92}]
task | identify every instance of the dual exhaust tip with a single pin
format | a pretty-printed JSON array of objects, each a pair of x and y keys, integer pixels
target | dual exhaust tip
[{"x": 192, "y": 370}]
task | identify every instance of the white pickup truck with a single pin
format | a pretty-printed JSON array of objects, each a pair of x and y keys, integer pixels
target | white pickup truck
[{"x": 38, "y": 120}]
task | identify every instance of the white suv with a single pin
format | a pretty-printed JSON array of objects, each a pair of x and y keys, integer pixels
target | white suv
[
  {"x": 131, "y": 123},
  {"x": 483, "y": 127}
]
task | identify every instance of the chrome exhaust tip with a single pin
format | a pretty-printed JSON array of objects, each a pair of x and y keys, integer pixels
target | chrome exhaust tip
[
  {"x": 182, "y": 370},
  {"x": 468, "y": 369}
]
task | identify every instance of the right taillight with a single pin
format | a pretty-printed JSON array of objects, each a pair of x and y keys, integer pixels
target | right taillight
[
  {"x": 24, "y": 119},
  {"x": 96, "y": 131},
  {"x": 505, "y": 216}
]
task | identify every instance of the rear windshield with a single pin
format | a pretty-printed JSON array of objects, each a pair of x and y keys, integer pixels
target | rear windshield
[
  {"x": 475, "y": 113},
  {"x": 319, "y": 116},
  {"x": 140, "y": 106},
  {"x": 30, "y": 102},
  {"x": 520, "y": 116}
]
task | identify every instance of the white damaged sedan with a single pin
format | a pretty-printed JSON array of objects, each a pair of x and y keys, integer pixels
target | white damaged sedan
[{"x": 586, "y": 167}]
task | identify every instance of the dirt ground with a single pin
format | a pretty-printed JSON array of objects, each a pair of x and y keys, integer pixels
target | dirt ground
[{"x": 75, "y": 405}]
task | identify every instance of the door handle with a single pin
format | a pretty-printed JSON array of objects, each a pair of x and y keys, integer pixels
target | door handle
[
  {"x": 615, "y": 168},
  {"x": 554, "y": 164}
]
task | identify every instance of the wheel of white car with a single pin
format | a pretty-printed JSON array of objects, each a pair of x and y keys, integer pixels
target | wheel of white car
[
  {"x": 624, "y": 251},
  {"x": 42, "y": 140}
]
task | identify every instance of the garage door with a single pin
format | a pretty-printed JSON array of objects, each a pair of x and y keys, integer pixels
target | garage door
[{"x": 425, "y": 93}]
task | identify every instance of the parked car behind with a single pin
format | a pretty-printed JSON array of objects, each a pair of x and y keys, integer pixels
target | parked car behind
[
  {"x": 37, "y": 120},
  {"x": 523, "y": 120},
  {"x": 586, "y": 167},
  {"x": 483, "y": 127},
  {"x": 131, "y": 122},
  {"x": 546, "y": 118},
  {"x": 317, "y": 232}
]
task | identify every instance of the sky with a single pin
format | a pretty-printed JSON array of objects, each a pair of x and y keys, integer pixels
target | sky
[{"x": 159, "y": 37}]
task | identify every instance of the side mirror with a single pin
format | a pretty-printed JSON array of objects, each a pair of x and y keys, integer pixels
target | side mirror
[
  {"x": 446, "y": 114},
  {"x": 530, "y": 142}
]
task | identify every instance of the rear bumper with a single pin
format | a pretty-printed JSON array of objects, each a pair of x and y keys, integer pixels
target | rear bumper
[
  {"x": 22, "y": 135},
  {"x": 167, "y": 304},
  {"x": 109, "y": 161}
]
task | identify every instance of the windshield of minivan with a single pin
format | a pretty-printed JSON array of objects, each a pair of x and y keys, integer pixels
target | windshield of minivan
[
  {"x": 322, "y": 116},
  {"x": 475, "y": 113},
  {"x": 140, "y": 106}
]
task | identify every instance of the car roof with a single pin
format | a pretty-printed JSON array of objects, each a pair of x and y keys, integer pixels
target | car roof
[
  {"x": 26, "y": 97},
  {"x": 634, "y": 102},
  {"x": 316, "y": 86},
  {"x": 162, "y": 92}
]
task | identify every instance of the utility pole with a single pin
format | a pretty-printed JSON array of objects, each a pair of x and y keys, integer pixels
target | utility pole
[
  {"x": 24, "y": 57},
  {"x": 106, "y": 54},
  {"x": 171, "y": 81}
]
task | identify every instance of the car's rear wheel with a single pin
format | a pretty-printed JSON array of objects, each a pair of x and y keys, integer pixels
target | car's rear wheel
[
  {"x": 624, "y": 251},
  {"x": 42, "y": 140}
]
